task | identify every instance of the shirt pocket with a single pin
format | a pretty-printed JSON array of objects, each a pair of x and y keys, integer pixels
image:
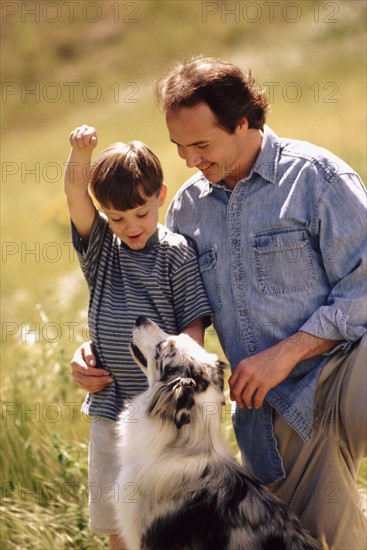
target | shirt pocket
[
  {"x": 284, "y": 261},
  {"x": 208, "y": 270}
]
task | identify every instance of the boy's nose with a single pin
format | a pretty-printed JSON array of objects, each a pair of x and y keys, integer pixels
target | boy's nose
[{"x": 131, "y": 228}]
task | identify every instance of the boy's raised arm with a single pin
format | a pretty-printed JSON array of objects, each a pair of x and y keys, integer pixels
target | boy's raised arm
[{"x": 82, "y": 210}]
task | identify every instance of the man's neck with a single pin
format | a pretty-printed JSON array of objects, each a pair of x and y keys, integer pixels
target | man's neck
[{"x": 252, "y": 148}]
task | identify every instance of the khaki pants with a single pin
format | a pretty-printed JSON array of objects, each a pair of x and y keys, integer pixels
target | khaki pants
[{"x": 320, "y": 486}]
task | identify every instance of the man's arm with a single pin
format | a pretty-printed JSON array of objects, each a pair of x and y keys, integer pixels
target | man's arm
[
  {"x": 256, "y": 375},
  {"x": 84, "y": 371},
  {"x": 92, "y": 379}
]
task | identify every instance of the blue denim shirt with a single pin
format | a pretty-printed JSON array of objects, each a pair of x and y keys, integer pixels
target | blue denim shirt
[{"x": 284, "y": 251}]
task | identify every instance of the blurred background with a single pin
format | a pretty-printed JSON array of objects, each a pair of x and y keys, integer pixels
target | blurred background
[{"x": 68, "y": 63}]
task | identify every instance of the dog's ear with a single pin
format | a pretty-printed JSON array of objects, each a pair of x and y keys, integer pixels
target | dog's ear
[
  {"x": 183, "y": 393},
  {"x": 174, "y": 401}
]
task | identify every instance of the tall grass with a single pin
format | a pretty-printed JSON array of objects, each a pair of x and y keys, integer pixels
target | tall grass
[
  {"x": 44, "y": 500},
  {"x": 44, "y": 297}
]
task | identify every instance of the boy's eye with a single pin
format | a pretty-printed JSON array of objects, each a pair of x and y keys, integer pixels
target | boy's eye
[
  {"x": 116, "y": 220},
  {"x": 142, "y": 215}
]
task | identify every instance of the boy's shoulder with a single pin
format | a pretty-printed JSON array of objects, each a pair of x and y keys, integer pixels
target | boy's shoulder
[
  {"x": 169, "y": 238},
  {"x": 174, "y": 241}
]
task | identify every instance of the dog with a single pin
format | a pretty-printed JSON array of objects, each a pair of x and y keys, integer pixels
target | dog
[{"x": 178, "y": 486}]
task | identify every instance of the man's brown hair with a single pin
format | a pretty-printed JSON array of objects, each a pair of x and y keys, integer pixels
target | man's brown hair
[{"x": 230, "y": 94}]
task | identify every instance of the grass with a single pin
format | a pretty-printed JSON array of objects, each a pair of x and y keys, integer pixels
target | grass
[{"x": 44, "y": 307}]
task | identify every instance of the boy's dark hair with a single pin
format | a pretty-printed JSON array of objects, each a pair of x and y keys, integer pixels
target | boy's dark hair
[
  {"x": 125, "y": 175},
  {"x": 230, "y": 94}
]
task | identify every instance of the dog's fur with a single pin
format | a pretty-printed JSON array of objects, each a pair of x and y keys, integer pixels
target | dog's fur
[{"x": 179, "y": 488}]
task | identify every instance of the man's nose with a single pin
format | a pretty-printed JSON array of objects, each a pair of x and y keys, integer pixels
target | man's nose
[{"x": 192, "y": 159}]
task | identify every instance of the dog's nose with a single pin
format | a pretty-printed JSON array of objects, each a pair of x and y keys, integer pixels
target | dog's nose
[{"x": 141, "y": 321}]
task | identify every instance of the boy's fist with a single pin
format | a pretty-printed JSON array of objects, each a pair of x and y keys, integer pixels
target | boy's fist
[{"x": 83, "y": 137}]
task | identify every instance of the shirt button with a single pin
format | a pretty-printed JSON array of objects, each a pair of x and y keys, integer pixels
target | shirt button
[{"x": 252, "y": 348}]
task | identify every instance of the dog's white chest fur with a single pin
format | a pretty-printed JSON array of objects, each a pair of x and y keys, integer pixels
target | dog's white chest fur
[{"x": 158, "y": 464}]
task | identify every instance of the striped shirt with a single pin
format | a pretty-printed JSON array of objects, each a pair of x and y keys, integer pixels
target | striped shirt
[{"x": 161, "y": 281}]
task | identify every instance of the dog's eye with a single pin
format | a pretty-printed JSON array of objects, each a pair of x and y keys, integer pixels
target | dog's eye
[{"x": 170, "y": 371}]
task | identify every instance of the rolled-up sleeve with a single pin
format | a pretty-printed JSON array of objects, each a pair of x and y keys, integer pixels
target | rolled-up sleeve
[{"x": 340, "y": 224}]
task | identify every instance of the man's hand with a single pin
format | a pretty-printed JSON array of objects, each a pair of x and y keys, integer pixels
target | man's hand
[
  {"x": 84, "y": 371},
  {"x": 256, "y": 375}
]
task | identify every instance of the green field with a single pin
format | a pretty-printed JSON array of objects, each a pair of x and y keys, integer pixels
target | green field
[{"x": 96, "y": 64}]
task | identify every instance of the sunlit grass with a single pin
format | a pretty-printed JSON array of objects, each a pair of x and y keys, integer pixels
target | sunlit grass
[
  {"x": 44, "y": 438},
  {"x": 44, "y": 442}
]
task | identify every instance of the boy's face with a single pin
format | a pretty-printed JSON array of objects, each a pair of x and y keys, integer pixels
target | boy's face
[{"x": 135, "y": 227}]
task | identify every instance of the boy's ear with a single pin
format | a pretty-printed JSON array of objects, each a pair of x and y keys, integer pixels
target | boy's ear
[{"x": 163, "y": 194}]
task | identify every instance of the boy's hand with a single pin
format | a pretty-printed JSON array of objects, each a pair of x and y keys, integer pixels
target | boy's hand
[
  {"x": 83, "y": 137},
  {"x": 84, "y": 371}
]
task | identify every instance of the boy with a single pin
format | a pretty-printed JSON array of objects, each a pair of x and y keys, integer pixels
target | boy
[{"x": 133, "y": 266}]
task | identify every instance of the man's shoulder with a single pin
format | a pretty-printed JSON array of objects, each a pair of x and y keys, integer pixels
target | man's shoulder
[{"x": 319, "y": 157}]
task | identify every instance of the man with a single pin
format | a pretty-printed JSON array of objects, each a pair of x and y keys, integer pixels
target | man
[{"x": 280, "y": 230}]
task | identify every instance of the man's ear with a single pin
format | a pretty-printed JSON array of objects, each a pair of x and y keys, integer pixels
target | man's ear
[
  {"x": 163, "y": 194},
  {"x": 243, "y": 124}
]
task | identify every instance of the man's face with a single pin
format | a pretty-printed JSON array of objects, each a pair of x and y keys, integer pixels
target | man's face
[{"x": 203, "y": 144}]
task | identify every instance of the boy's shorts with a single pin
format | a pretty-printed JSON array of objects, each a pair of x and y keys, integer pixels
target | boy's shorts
[{"x": 102, "y": 476}]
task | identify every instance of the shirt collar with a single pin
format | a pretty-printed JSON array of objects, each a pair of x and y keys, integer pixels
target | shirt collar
[
  {"x": 153, "y": 240},
  {"x": 150, "y": 244},
  {"x": 266, "y": 164}
]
